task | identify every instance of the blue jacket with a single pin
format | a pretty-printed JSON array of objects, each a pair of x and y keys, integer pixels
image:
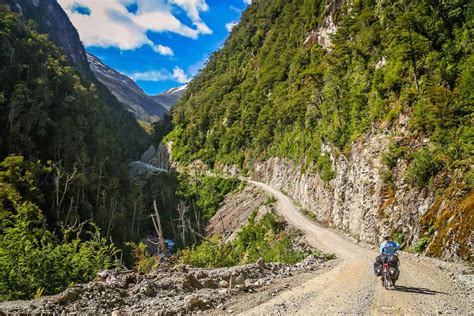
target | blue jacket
[{"x": 389, "y": 247}]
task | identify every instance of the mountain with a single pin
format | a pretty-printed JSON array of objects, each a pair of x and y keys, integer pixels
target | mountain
[
  {"x": 144, "y": 107},
  {"x": 53, "y": 113},
  {"x": 170, "y": 97},
  {"x": 52, "y": 20},
  {"x": 360, "y": 110}
]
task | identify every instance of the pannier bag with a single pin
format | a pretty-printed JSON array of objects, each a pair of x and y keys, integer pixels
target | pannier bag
[
  {"x": 393, "y": 259},
  {"x": 378, "y": 268},
  {"x": 393, "y": 272}
]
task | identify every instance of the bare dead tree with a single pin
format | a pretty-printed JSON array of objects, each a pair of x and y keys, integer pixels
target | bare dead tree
[
  {"x": 182, "y": 211},
  {"x": 173, "y": 228},
  {"x": 101, "y": 167},
  {"x": 221, "y": 219},
  {"x": 111, "y": 215},
  {"x": 133, "y": 217},
  {"x": 72, "y": 208},
  {"x": 159, "y": 230},
  {"x": 62, "y": 184}
]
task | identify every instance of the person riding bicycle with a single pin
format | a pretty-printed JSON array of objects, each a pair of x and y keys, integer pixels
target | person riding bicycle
[
  {"x": 387, "y": 250},
  {"x": 388, "y": 247}
]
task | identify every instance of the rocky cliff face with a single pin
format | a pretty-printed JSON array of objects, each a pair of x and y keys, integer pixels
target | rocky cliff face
[
  {"x": 51, "y": 19},
  {"x": 127, "y": 92},
  {"x": 359, "y": 202}
]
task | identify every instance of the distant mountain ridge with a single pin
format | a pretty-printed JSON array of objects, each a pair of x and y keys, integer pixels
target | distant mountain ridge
[
  {"x": 52, "y": 19},
  {"x": 144, "y": 107},
  {"x": 170, "y": 97},
  {"x": 127, "y": 91}
]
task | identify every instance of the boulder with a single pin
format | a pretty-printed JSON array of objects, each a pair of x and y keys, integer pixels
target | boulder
[{"x": 191, "y": 282}]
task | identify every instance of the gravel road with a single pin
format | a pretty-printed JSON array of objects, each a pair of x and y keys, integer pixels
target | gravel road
[{"x": 426, "y": 285}]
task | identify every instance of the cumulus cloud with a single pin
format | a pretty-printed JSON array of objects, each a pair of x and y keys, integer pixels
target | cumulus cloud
[
  {"x": 248, "y": 2},
  {"x": 177, "y": 75},
  {"x": 163, "y": 50},
  {"x": 111, "y": 24}
]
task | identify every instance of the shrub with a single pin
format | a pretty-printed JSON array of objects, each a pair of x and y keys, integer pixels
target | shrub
[
  {"x": 424, "y": 240},
  {"x": 206, "y": 192},
  {"x": 423, "y": 168},
  {"x": 265, "y": 239},
  {"x": 33, "y": 260},
  {"x": 324, "y": 167},
  {"x": 142, "y": 260}
]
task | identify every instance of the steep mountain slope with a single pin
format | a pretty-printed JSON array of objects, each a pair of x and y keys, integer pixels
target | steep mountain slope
[
  {"x": 51, "y": 19},
  {"x": 127, "y": 91},
  {"x": 170, "y": 97},
  {"x": 360, "y": 110},
  {"x": 52, "y": 113}
]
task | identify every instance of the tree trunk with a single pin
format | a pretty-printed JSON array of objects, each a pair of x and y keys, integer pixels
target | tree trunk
[{"x": 157, "y": 223}]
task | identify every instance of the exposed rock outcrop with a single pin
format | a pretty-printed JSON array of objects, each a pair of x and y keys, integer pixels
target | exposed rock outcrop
[
  {"x": 358, "y": 202},
  {"x": 355, "y": 201},
  {"x": 235, "y": 211},
  {"x": 153, "y": 160},
  {"x": 323, "y": 33}
]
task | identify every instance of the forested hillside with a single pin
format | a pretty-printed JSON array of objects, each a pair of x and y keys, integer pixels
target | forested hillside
[
  {"x": 297, "y": 77},
  {"x": 268, "y": 92},
  {"x": 64, "y": 154}
]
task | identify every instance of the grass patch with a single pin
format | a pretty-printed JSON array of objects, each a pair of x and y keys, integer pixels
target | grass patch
[{"x": 309, "y": 214}]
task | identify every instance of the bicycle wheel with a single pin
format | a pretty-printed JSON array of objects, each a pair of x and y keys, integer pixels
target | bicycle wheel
[{"x": 385, "y": 279}]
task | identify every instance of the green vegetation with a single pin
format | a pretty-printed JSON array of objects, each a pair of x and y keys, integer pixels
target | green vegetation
[
  {"x": 64, "y": 149},
  {"x": 205, "y": 193},
  {"x": 423, "y": 168},
  {"x": 265, "y": 239},
  {"x": 269, "y": 92},
  {"x": 424, "y": 240},
  {"x": 49, "y": 113},
  {"x": 143, "y": 261},
  {"x": 311, "y": 215},
  {"x": 34, "y": 260},
  {"x": 185, "y": 203}
]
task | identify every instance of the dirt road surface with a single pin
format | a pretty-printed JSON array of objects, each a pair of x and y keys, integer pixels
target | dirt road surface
[{"x": 424, "y": 287}]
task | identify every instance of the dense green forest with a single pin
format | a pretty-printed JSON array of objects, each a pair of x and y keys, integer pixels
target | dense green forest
[
  {"x": 64, "y": 154},
  {"x": 268, "y": 93},
  {"x": 49, "y": 113}
]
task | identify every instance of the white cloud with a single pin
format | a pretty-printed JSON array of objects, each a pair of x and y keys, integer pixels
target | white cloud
[
  {"x": 177, "y": 75},
  {"x": 248, "y": 2},
  {"x": 109, "y": 23},
  {"x": 229, "y": 26},
  {"x": 163, "y": 50},
  {"x": 192, "y": 9}
]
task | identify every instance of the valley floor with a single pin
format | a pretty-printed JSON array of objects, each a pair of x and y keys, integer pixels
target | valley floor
[{"x": 426, "y": 286}]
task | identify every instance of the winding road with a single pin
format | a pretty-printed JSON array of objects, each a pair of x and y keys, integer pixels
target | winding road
[{"x": 351, "y": 288}]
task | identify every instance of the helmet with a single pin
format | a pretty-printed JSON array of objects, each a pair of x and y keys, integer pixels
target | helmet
[{"x": 386, "y": 235}]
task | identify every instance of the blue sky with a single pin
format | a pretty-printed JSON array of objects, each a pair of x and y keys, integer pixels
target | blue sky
[{"x": 159, "y": 43}]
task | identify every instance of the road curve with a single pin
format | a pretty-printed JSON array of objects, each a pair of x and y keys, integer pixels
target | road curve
[{"x": 351, "y": 287}]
